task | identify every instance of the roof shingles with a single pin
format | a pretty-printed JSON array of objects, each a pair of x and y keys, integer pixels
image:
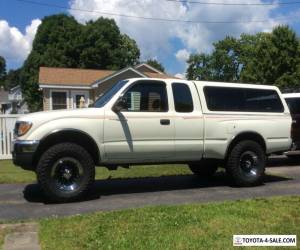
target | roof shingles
[
  {"x": 82, "y": 77},
  {"x": 158, "y": 75},
  {"x": 71, "y": 77}
]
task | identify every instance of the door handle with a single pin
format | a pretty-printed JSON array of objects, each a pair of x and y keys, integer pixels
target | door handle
[
  {"x": 117, "y": 119},
  {"x": 165, "y": 122}
]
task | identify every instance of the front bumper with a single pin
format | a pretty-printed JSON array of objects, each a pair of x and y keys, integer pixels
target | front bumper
[{"x": 23, "y": 153}]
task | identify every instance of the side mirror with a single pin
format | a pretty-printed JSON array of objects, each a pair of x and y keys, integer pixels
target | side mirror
[{"x": 120, "y": 104}]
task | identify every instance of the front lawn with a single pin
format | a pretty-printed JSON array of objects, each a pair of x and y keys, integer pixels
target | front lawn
[
  {"x": 3, "y": 232},
  {"x": 12, "y": 174},
  {"x": 9, "y": 173},
  {"x": 196, "y": 226}
]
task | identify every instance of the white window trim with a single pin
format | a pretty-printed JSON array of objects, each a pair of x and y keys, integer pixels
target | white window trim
[
  {"x": 43, "y": 86},
  {"x": 59, "y": 90},
  {"x": 98, "y": 82},
  {"x": 149, "y": 67}
]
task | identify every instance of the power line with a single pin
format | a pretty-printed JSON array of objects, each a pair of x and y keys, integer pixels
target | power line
[
  {"x": 148, "y": 18},
  {"x": 235, "y": 4}
]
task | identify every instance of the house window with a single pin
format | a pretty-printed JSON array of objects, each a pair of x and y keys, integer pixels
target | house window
[{"x": 59, "y": 100}]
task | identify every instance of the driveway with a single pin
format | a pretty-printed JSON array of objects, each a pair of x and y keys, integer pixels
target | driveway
[{"x": 21, "y": 201}]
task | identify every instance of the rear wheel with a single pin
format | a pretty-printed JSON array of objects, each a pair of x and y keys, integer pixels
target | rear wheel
[
  {"x": 204, "y": 168},
  {"x": 65, "y": 172},
  {"x": 246, "y": 163}
]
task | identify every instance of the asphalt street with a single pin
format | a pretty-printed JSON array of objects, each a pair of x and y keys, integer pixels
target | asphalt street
[{"x": 26, "y": 201}]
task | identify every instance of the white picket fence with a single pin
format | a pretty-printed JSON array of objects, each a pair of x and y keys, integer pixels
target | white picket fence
[{"x": 7, "y": 124}]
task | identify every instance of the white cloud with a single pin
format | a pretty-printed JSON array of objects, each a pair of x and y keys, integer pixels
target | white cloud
[
  {"x": 182, "y": 55},
  {"x": 15, "y": 45},
  {"x": 180, "y": 76},
  {"x": 154, "y": 37},
  {"x": 151, "y": 36}
]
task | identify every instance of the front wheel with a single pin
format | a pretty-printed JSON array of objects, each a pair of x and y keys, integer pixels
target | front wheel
[
  {"x": 65, "y": 172},
  {"x": 246, "y": 163}
]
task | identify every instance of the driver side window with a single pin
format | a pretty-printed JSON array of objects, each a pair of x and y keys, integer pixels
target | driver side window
[{"x": 147, "y": 96}]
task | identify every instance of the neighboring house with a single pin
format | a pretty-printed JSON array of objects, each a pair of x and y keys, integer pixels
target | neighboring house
[
  {"x": 63, "y": 88},
  {"x": 19, "y": 105},
  {"x": 5, "y": 105},
  {"x": 12, "y": 102}
]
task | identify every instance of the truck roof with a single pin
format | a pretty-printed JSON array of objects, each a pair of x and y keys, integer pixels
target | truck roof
[
  {"x": 291, "y": 95},
  {"x": 212, "y": 83},
  {"x": 236, "y": 85}
]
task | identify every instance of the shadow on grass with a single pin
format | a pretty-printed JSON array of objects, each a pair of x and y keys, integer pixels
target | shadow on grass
[{"x": 33, "y": 192}]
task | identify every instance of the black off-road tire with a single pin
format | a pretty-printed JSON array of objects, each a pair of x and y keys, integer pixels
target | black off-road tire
[
  {"x": 52, "y": 166},
  {"x": 246, "y": 163},
  {"x": 204, "y": 168}
]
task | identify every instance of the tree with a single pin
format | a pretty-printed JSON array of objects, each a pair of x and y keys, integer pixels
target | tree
[
  {"x": 104, "y": 47},
  {"x": 222, "y": 65},
  {"x": 55, "y": 45},
  {"x": 128, "y": 53},
  {"x": 62, "y": 42},
  {"x": 248, "y": 57},
  {"x": 156, "y": 64},
  {"x": 12, "y": 78},
  {"x": 200, "y": 67},
  {"x": 226, "y": 61},
  {"x": 279, "y": 55},
  {"x": 276, "y": 59},
  {"x": 2, "y": 70},
  {"x": 265, "y": 58},
  {"x": 290, "y": 82}
]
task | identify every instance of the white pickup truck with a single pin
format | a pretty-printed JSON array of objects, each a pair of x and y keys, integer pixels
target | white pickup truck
[{"x": 143, "y": 121}]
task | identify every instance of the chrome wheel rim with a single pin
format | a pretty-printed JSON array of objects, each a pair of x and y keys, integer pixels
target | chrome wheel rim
[
  {"x": 249, "y": 163},
  {"x": 67, "y": 174}
]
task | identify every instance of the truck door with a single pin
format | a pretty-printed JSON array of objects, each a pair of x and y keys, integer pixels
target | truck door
[
  {"x": 144, "y": 130},
  {"x": 189, "y": 122}
]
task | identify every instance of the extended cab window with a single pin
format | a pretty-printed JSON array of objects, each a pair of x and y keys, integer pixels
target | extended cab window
[
  {"x": 147, "y": 96},
  {"x": 242, "y": 99},
  {"x": 182, "y": 98}
]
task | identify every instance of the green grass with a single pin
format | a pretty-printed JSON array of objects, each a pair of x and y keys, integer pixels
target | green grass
[
  {"x": 12, "y": 174},
  {"x": 9, "y": 173},
  {"x": 3, "y": 232},
  {"x": 196, "y": 226}
]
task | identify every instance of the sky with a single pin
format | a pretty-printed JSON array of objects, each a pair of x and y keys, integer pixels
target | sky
[{"x": 169, "y": 42}]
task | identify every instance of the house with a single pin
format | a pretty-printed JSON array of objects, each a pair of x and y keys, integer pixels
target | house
[
  {"x": 19, "y": 105},
  {"x": 4, "y": 103},
  {"x": 65, "y": 88},
  {"x": 12, "y": 101}
]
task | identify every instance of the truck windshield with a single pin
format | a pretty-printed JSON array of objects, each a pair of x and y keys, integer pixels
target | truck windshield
[{"x": 102, "y": 100}]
